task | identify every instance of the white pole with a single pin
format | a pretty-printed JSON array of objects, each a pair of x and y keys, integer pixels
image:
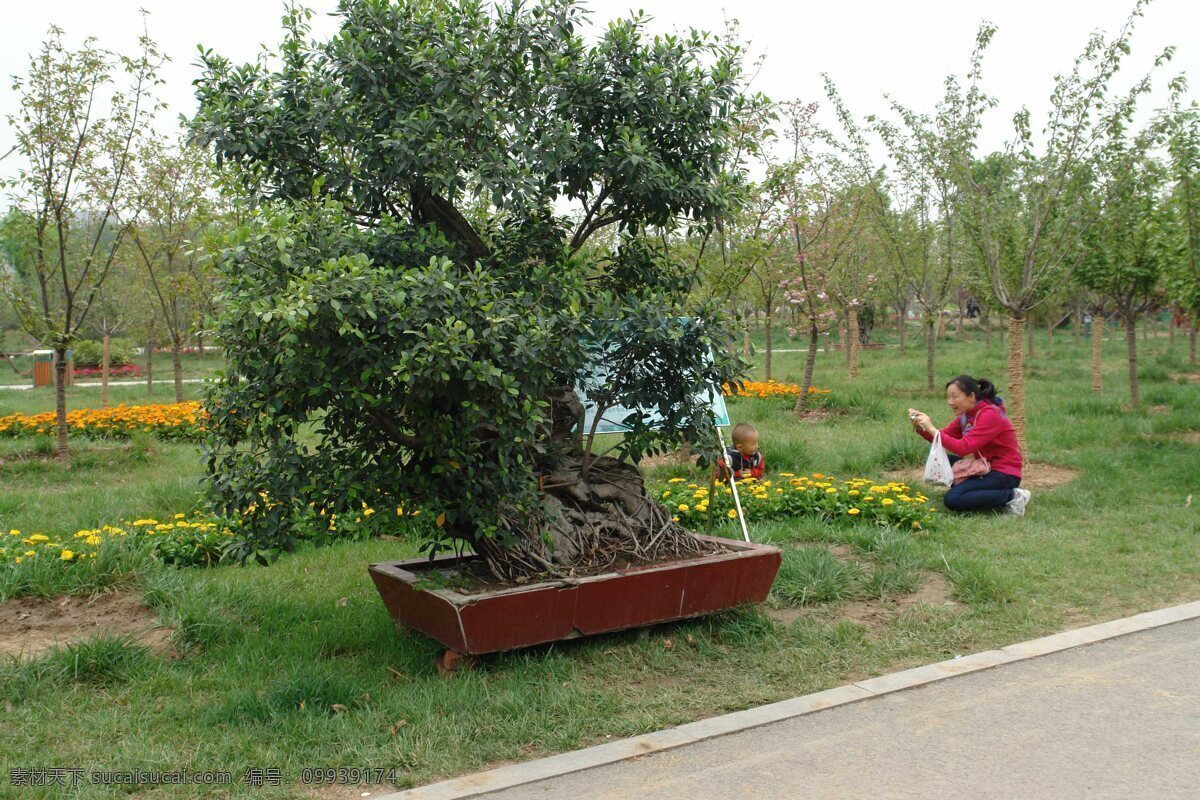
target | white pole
[{"x": 737, "y": 501}]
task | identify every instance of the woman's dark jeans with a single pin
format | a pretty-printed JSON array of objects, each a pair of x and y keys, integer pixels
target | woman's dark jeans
[{"x": 993, "y": 490}]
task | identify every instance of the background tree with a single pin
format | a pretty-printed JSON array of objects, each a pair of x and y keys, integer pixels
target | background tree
[
  {"x": 173, "y": 189},
  {"x": 912, "y": 205},
  {"x": 1183, "y": 270},
  {"x": 1123, "y": 251},
  {"x": 820, "y": 221},
  {"x": 82, "y": 113},
  {"x": 436, "y": 354},
  {"x": 1032, "y": 199}
]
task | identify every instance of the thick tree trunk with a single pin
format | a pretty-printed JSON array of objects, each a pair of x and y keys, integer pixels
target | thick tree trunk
[
  {"x": 62, "y": 449},
  {"x": 1028, "y": 333},
  {"x": 769, "y": 345},
  {"x": 1135, "y": 398},
  {"x": 852, "y": 331},
  {"x": 1097, "y": 351},
  {"x": 930, "y": 347},
  {"x": 810, "y": 363},
  {"x": 1016, "y": 379},
  {"x": 105, "y": 366},
  {"x": 177, "y": 367}
]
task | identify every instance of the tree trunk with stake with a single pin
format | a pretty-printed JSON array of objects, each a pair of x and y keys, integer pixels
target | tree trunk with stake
[{"x": 1016, "y": 379}]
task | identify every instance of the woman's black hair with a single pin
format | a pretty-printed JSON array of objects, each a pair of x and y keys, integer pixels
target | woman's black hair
[{"x": 982, "y": 388}]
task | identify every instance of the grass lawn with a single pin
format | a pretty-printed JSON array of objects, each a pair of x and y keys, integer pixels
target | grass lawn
[{"x": 298, "y": 665}]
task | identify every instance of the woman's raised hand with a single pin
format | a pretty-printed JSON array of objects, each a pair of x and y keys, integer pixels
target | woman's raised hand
[{"x": 920, "y": 420}]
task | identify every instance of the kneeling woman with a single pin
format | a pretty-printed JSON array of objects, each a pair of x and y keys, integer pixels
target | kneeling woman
[{"x": 980, "y": 428}]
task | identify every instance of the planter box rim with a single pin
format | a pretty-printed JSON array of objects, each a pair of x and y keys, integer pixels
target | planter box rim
[{"x": 399, "y": 569}]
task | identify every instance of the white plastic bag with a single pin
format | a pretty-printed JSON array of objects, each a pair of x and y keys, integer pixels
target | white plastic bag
[{"x": 937, "y": 466}]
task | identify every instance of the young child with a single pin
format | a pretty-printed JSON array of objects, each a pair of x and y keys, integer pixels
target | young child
[{"x": 747, "y": 460}]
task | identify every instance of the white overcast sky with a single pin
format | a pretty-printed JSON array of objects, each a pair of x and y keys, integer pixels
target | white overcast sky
[{"x": 869, "y": 47}]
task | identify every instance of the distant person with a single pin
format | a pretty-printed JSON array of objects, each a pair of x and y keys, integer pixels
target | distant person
[
  {"x": 746, "y": 460},
  {"x": 981, "y": 428}
]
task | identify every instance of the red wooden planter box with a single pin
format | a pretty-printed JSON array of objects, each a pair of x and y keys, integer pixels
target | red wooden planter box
[{"x": 521, "y": 616}]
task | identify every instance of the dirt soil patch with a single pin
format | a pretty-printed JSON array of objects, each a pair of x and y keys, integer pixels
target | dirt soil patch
[
  {"x": 1191, "y": 437},
  {"x": 1189, "y": 377},
  {"x": 1034, "y": 476},
  {"x": 30, "y": 625},
  {"x": 786, "y": 616},
  {"x": 676, "y": 459},
  {"x": 816, "y": 415},
  {"x": 875, "y": 614}
]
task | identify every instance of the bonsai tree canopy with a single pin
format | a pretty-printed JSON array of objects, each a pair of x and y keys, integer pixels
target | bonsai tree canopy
[{"x": 407, "y": 306}]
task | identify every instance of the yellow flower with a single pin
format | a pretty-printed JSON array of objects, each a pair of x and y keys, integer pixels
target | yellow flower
[
  {"x": 684, "y": 507},
  {"x": 731, "y": 513},
  {"x": 854, "y": 512},
  {"x": 854, "y": 492},
  {"x": 38, "y": 537},
  {"x": 916, "y": 525},
  {"x": 675, "y": 480},
  {"x": 831, "y": 490},
  {"x": 887, "y": 501},
  {"x": 786, "y": 475},
  {"x": 818, "y": 476},
  {"x": 66, "y": 555}
]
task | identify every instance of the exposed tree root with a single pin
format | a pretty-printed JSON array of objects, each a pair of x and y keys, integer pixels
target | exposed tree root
[{"x": 593, "y": 525}]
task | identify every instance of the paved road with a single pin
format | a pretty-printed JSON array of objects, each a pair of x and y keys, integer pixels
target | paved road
[{"x": 1119, "y": 719}]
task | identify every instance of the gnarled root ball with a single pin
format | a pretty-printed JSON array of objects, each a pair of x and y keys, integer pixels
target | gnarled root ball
[{"x": 599, "y": 516}]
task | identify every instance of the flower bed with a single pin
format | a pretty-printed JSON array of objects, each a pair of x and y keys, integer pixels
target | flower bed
[
  {"x": 767, "y": 389},
  {"x": 198, "y": 540},
  {"x": 819, "y": 495},
  {"x": 179, "y": 421},
  {"x": 180, "y": 540},
  {"x": 125, "y": 371}
]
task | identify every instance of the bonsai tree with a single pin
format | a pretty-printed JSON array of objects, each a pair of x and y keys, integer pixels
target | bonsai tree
[{"x": 405, "y": 308}]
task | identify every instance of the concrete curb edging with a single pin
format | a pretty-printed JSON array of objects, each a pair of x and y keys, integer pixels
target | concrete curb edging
[{"x": 599, "y": 755}]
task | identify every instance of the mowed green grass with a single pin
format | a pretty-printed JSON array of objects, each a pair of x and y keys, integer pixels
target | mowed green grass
[{"x": 267, "y": 653}]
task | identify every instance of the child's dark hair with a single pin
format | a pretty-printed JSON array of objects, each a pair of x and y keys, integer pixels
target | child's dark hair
[
  {"x": 982, "y": 388},
  {"x": 742, "y": 431}
]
